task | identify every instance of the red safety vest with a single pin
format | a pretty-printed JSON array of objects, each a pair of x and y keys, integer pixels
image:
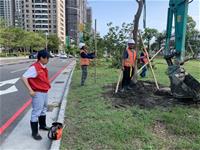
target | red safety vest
[
  {"x": 41, "y": 82},
  {"x": 84, "y": 61},
  {"x": 130, "y": 61}
]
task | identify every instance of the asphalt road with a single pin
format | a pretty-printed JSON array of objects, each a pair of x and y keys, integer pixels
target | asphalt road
[{"x": 13, "y": 94}]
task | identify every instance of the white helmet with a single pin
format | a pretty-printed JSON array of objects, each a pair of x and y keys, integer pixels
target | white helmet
[
  {"x": 81, "y": 45},
  {"x": 131, "y": 41}
]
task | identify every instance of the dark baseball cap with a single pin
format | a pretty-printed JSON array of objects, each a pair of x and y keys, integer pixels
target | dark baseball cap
[{"x": 43, "y": 54}]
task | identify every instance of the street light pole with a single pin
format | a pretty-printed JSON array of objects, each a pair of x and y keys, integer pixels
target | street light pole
[
  {"x": 46, "y": 40},
  {"x": 95, "y": 45}
]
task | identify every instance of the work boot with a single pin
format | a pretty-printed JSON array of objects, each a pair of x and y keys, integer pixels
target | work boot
[
  {"x": 129, "y": 88},
  {"x": 34, "y": 128},
  {"x": 42, "y": 123},
  {"x": 122, "y": 90}
]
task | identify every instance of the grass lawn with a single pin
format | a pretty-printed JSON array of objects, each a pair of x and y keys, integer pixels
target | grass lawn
[{"x": 93, "y": 123}]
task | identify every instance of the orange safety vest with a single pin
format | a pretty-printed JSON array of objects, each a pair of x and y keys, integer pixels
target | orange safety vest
[
  {"x": 130, "y": 61},
  {"x": 84, "y": 61},
  {"x": 144, "y": 58}
]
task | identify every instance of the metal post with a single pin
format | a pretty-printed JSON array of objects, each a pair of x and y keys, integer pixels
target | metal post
[
  {"x": 95, "y": 60},
  {"x": 46, "y": 40}
]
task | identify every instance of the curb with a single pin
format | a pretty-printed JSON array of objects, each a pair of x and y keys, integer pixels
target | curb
[{"x": 55, "y": 145}]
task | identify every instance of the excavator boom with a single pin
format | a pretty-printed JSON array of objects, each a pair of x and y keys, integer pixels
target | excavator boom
[{"x": 182, "y": 84}]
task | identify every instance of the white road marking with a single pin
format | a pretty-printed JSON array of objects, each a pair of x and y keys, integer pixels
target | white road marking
[
  {"x": 19, "y": 70},
  {"x": 10, "y": 89}
]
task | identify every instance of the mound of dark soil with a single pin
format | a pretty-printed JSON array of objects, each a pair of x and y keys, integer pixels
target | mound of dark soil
[{"x": 145, "y": 95}]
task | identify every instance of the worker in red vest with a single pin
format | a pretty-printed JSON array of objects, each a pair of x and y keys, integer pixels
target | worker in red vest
[
  {"x": 143, "y": 61},
  {"x": 84, "y": 61},
  {"x": 128, "y": 64},
  {"x": 37, "y": 82}
]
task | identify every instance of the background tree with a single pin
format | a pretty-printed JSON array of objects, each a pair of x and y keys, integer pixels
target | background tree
[
  {"x": 159, "y": 39},
  {"x": 192, "y": 40},
  {"x": 72, "y": 50},
  {"x": 2, "y": 23},
  {"x": 34, "y": 41},
  {"x": 148, "y": 35},
  {"x": 16, "y": 39},
  {"x": 18, "y": 35},
  {"x": 89, "y": 39},
  {"x": 53, "y": 43},
  {"x": 8, "y": 38},
  {"x": 100, "y": 46},
  {"x": 115, "y": 42}
]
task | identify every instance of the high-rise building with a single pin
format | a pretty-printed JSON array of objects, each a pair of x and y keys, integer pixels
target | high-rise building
[
  {"x": 60, "y": 19},
  {"x": 89, "y": 18},
  {"x": 46, "y": 16},
  {"x": 11, "y": 12},
  {"x": 75, "y": 18},
  {"x": 18, "y": 13},
  {"x": 83, "y": 11},
  {"x": 1, "y": 9},
  {"x": 7, "y": 11},
  {"x": 72, "y": 17}
]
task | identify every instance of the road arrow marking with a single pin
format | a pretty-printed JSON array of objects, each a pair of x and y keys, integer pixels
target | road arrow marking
[{"x": 10, "y": 89}]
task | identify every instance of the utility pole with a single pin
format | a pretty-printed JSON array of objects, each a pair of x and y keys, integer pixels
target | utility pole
[
  {"x": 46, "y": 40},
  {"x": 95, "y": 60}
]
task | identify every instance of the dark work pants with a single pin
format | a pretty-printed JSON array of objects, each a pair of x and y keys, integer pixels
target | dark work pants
[
  {"x": 144, "y": 70},
  {"x": 127, "y": 77},
  {"x": 84, "y": 74}
]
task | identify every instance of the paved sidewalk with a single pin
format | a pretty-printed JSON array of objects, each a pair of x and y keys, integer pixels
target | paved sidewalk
[{"x": 20, "y": 138}]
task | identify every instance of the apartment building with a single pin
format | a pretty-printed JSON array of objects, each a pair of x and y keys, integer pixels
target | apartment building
[
  {"x": 76, "y": 14},
  {"x": 47, "y": 16},
  {"x": 7, "y": 11}
]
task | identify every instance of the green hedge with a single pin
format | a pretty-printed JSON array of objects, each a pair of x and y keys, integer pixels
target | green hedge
[{"x": 3, "y": 54}]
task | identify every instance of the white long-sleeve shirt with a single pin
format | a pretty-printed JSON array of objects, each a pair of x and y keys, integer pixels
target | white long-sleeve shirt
[{"x": 31, "y": 72}]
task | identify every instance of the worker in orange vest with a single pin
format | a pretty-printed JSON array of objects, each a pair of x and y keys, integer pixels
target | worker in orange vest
[
  {"x": 128, "y": 64},
  {"x": 143, "y": 61},
  {"x": 84, "y": 61}
]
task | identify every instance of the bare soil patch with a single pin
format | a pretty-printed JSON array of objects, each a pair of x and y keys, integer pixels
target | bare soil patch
[{"x": 145, "y": 95}]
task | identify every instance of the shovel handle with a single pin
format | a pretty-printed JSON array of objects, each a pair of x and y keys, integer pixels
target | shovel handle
[{"x": 119, "y": 78}]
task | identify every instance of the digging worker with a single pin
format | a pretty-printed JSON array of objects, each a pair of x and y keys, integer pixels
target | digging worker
[
  {"x": 85, "y": 61},
  {"x": 143, "y": 61},
  {"x": 37, "y": 82},
  {"x": 128, "y": 63}
]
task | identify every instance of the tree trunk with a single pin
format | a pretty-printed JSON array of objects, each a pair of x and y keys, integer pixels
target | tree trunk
[
  {"x": 135, "y": 33},
  {"x": 159, "y": 44},
  {"x": 148, "y": 50}
]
